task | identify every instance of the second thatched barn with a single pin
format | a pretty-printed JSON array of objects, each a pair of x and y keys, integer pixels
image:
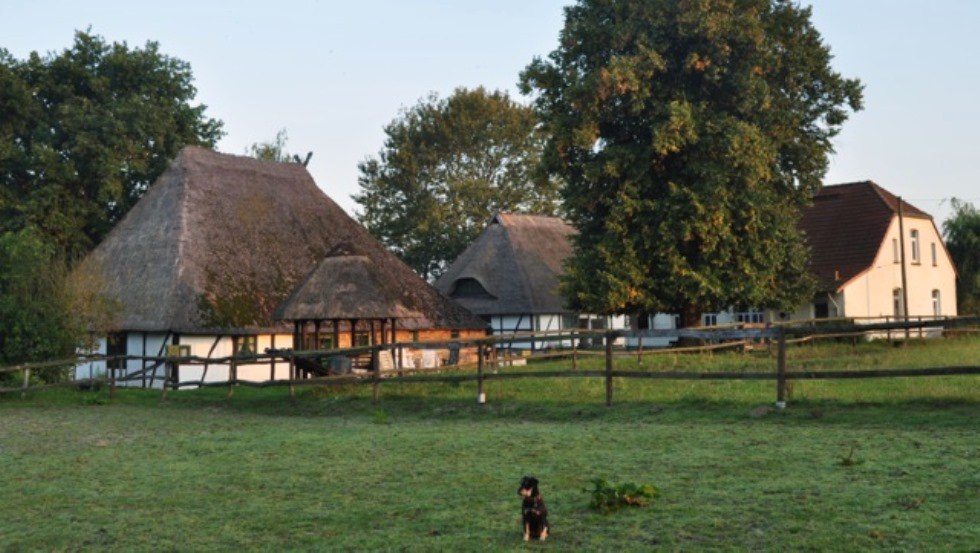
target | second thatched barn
[
  {"x": 216, "y": 244},
  {"x": 510, "y": 276}
]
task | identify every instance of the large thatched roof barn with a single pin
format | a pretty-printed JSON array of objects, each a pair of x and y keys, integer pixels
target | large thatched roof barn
[
  {"x": 510, "y": 274},
  {"x": 219, "y": 241}
]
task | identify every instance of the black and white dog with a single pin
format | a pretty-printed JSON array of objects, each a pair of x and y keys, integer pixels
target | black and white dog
[{"x": 534, "y": 514}]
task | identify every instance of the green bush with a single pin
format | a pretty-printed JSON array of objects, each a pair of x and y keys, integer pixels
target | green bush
[{"x": 608, "y": 496}]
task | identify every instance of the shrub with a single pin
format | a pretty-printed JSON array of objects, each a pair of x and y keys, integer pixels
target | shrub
[{"x": 608, "y": 496}]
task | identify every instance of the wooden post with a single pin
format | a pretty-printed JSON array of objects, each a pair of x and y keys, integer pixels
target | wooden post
[
  {"x": 781, "y": 370},
  {"x": 639, "y": 341},
  {"x": 232, "y": 377},
  {"x": 112, "y": 380},
  {"x": 376, "y": 369},
  {"x": 27, "y": 382},
  {"x": 574, "y": 353},
  {"x": 272, "y": 359},
  {"x": 481, "y": 397},
  {"x": 167, "y": 367},
  {"x": 292, "y": 377},
  {"x": 905, "y": 285},
  {"x": 609, "y": 368}
]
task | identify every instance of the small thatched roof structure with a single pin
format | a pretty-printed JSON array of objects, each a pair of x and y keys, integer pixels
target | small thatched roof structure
[
  {"x": 512, "y": 267},
  {"x": 347, "y": 286},
  {"x": 219, "y": 241}
]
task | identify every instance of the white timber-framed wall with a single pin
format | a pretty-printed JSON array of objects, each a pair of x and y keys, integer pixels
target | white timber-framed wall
[{"x": 154, "y": 344}]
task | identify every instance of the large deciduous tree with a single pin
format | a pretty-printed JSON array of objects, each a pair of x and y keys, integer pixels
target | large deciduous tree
[
  {"x": 962, "y": 234},
  {"x": 85, "y": 131},
  {"x": 446, "y": 167},
  {"x": 689, "y": 135}
]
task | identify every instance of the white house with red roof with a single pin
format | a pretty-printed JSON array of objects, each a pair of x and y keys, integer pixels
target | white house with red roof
[{"x": 861, "y": 238}]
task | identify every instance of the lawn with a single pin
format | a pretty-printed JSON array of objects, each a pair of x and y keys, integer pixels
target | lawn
[{"x": 890, "y": 464}]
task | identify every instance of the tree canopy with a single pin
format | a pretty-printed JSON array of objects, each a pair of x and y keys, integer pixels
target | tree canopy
[
  {"x": 962, "y": 234},
  {"x": 275, "y": 150},
  {"x": 447, "y": 166},
  {"x": 84, "y": 132},
  {"x": 689, "y": 135}
]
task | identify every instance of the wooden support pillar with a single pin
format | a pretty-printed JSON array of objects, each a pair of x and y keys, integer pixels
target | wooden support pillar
[
  {"x": 272, "y": 359},
  {"x": 781, "y": 369},
  {"x": 336, "y": 333},
  {"x": 609, "y": 369},
  {"x": 292, "y": 376},
  {"x": 316, "y": 334},
  {"x": 27, "y": 382},
  {"x": 376, "y": 370},
  {"x": 297, "y": 337}
]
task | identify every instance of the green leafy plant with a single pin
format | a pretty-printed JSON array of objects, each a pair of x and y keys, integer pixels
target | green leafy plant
[
  {"x": 608, "y": 496},
  {"x": 380, "y": 417}
]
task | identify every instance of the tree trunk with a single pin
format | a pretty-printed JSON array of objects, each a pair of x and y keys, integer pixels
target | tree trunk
[{"x": 691, "y": 318}]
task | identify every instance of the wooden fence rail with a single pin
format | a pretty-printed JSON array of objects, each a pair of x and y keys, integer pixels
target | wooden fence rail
[{"x": 489, "y": 363}]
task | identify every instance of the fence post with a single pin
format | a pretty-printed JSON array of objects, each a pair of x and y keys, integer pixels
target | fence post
[
  {"x": 574, "y": 353},
  {"x": 376, "y": 369},
  {"x": 112, "y": 379},
  {"x": 232, "y": 377},
  {"x": 481, "y": 397},
  {"x": 167, "y": 376},
  {"x": 609, "y": 368},
  {"x": 781, "y": 369},
  {"x": 292, "y": 376},
  {"x": 639, "y": 349},
  {"x": 27, "y": 382}
]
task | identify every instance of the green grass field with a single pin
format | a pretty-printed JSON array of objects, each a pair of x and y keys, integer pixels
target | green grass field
[{"x": 889, "y": 464}]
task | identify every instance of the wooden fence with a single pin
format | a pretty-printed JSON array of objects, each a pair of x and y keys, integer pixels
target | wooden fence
[{"x": 492, "y": 354}]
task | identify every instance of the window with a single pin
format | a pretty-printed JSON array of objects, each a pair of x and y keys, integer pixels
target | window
[
  {"x": 897, "y": 302},
  {"x": 569, "y": 321},
  {"x": 895, "y": 250},
  {"x": 914, "y": 236},
  {"x": 709, "y": 319},
  {"x": 116, "y": 346},
  {"x": 932, "y": 248},
  {"x": 326, "y": 342},
  {"x": 362, "y": 339},
  {"x": 937, "y": 307},
  {"x": 245, "y": 345},
  {"x": 750, "y": 316}
]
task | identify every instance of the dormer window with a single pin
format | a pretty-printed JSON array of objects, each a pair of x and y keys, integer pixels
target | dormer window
[{"x": 470, "y": 288}]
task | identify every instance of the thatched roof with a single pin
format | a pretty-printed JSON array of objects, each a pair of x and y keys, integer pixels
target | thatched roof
[
  {"x": 219, "y": 241},
  {"x": 515, "y": 262},
  {"x": 348, "y": 286},
  {"x": 845, "y": 228}
]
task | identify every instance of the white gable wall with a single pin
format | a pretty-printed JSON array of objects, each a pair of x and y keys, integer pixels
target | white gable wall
[{"x": 871, "y": 294}]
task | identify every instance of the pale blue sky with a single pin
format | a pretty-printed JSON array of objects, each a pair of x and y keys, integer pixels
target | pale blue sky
[{"x": 334, "y": 73}]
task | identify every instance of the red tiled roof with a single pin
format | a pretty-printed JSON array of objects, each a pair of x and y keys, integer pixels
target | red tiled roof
[{"x": 845, "y": 227}]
